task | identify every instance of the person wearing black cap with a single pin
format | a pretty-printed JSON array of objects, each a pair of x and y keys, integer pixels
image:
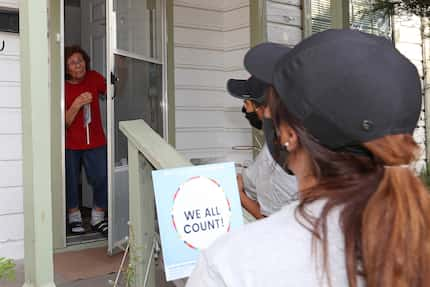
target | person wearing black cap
[
  {"x": 264, "y": 187},
  {"x": 251, "y": 91},
  {"x": 345, "y": 105}
]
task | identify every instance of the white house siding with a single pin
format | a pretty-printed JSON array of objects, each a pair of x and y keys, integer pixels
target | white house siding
[
  {"x": 8, "y": 4},
  {"x": 11, "y": 186},
  {"x": 211, "y": 38},
  {"x": 284, "y": 21},
  {"x": 409, "y": 42}
]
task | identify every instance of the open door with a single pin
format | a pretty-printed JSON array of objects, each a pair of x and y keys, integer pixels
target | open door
[
  {"x": 93, "y": 41},
  {"x": 136, "y": 91},
  {"x": 83, "y": 23}
]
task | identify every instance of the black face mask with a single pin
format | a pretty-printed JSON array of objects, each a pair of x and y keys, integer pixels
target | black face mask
[
  {"x": 278, "y": 152},
  {"x": 253, "y": 119}
]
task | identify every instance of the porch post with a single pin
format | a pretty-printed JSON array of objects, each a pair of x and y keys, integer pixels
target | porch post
[
  {"x": 340, "y": 14},
  {"x": 35, "y": 98},
  {"x": 307, "y": 18},
  {"x": 258, "y": 34},
  {"x": 257, "y": 22},
  {"x": 142, "y": 223},
  {"x": 425, "y": 35}
]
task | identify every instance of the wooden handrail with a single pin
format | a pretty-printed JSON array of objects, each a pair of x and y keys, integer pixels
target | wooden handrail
[{"x": 155, "y": 149}]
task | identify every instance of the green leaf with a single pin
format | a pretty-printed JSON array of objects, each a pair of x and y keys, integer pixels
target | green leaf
[
  {"x": 391, "y": 7},
  {"x": 7, "y": 269}
]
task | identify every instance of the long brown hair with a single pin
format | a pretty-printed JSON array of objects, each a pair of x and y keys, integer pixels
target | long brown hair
[{"x": 384, "y": 207}]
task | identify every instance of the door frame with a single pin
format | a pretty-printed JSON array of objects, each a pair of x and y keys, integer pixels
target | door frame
[
  {"x": 57, "y": 115},
  {"x": 58, "y": 133}
]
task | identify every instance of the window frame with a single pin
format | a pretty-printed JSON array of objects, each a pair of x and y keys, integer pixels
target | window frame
[{"x": 339, "y": 12}]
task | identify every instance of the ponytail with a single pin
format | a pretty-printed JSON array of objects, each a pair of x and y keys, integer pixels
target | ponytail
[
  {"x": 396, "y": 235},
  {"x": 385, "y": 211},
  {"x": 384, "y": 207},
  {"x": 396, "y": 221}
]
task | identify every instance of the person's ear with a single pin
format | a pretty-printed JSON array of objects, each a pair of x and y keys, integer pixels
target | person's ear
[
  {"x": 260, "y": 112},
  {"x": 288, "y": 137},
  {"x": 294, "y": 140},
  {"x": 267, "y": 112}
]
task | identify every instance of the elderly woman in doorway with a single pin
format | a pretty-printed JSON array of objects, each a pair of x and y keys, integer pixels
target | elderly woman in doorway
[
  {"x": 85, "y": 139},
  {"x": 345, "y": 105}
]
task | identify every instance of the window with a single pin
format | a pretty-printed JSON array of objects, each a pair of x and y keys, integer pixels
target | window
[
  {"x": 364, "y": 19},
  {"x": 9, "y": 21},
  {"x": 359, "y": 13},
  {"x": 321, "y": 15}
]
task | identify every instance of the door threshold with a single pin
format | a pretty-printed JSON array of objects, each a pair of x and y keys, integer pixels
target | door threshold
[
  {"x": 83, "y": 245},
  {"x": 84, "y": 238}
]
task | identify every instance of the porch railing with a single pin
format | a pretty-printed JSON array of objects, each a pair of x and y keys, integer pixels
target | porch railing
[{"x": 147, "y": 151}]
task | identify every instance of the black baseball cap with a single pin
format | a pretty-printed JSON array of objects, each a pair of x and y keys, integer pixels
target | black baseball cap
[
  {"x": 346, "y": 87},
  {"x": 252, "y": 89},
  {"x": 261, "y": 60}
]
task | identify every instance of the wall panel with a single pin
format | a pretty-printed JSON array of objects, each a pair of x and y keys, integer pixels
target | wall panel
[
  {"x": 11, "y": 189},
  {"x": 211, "y": 38}
]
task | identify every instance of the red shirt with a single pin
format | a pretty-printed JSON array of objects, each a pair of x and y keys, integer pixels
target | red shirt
[{"x": 76, "y": 137}]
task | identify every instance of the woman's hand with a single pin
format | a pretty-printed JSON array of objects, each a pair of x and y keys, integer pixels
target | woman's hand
[
  {"x": 78, "y": 103},
  {"x": 82, "y": 99}
]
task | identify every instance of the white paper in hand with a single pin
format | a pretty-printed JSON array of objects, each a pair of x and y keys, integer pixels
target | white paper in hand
[
  {"x": 87, "y": 114},
  {"x": 87, "y": 120}
]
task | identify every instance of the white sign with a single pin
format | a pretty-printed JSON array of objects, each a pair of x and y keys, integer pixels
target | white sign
[{"x": 201, "y": 212}]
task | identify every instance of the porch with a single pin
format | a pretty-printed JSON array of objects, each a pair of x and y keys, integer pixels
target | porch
[
  {"x": 71, "y": 270},
  {"x": 41, "y": 179},
  {"x": 41, "y": 82}
]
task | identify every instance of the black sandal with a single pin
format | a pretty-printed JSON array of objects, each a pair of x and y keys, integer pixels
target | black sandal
[
  {"x": 101, "y": 227},
  {"x": 76, "y": 228}
]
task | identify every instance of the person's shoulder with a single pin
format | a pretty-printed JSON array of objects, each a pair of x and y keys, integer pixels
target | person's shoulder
[
  {"x": 255, "y": 250},
  {"x": 262, "y": 155},
  {"x": 278, "y": 247},
  {"x": 283, "y": 227},
  {"x": 253, "y": 234},
  {"x": 94, "y": 74},
  {"x": 97, "y": 80}
]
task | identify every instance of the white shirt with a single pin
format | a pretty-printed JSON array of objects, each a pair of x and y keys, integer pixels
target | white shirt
[
  {"x": 267, "y": 182},
  {"x": 275, "y": 251}
]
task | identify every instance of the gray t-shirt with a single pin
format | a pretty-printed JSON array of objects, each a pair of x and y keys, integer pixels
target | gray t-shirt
[
  {"x": 267, "y": 182},
  {"x": 275, "y": 251}
]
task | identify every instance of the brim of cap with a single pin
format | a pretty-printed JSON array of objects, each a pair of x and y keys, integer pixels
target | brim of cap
[
  {"x": 238, "y": 88},
  {"x": 261, "y": 60}
]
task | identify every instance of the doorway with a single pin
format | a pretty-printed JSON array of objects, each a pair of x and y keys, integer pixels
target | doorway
[
  {"x": 126, "y": 43},
  {"x": 85, "y": 26}
]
